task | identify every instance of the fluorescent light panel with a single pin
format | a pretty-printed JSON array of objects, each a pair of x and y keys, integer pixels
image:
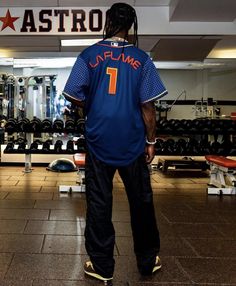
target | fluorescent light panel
[{"x": 79, "y": 42}]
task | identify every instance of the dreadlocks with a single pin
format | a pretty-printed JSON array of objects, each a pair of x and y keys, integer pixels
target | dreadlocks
[{"x": 121, "y": 16}]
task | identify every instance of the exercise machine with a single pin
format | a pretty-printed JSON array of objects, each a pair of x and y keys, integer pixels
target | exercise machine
[{"x": 222, "y": 175}]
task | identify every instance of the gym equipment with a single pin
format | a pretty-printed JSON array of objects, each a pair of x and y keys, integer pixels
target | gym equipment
[
  {"x": 21, "y": 148},
  {"x": 23, "y": 125},
  {"x": 70, "y": 126},
  {"x": 34, "y": 147},
  {"x": 80, "y": 126},
  {"x": 58, "y": 147},
  {"x": 70, "y": 147},
  {"x": 58, "y": 126},
  {"x": 9, "y": 148},
  {"x": 46, "y": 146},
  {"x": 79, "y": 160},
  {"x": 62, "y": 165},
  {"x": 11, "y": 126},
  {"x": 81, "y": 145},
  {"x": 40, "y": 93},
  {"x": 221, "y": 168},
  {"x": 46, "y": 125},
  {"x": 158, "y": 146},
  {"x": 35, "y": 125},
  {"x": 181, "y": 163}
]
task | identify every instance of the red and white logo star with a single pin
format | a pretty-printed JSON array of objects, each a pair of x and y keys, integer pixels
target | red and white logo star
[{"x": 8, "y": 21}]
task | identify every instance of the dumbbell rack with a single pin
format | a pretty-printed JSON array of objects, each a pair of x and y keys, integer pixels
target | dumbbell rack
[
  {"x": 201, "y": 137},
  {"x": 38, "y": 155}
]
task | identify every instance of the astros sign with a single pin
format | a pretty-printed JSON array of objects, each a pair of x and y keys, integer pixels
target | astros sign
[{"x": 51, "y": 20}]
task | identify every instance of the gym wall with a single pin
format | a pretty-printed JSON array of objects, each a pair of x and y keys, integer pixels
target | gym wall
[{"x": 198, "y": 84}]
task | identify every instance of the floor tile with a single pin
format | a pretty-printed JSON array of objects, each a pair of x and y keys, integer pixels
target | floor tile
[
  {"x": 4, "y": 183},
  {"x": 37, "y": 183},
  {"x": 188, "y": 230},
  {"x": 3, "y": 194},
  {"x": 54, "y": 227},
  {"x": 169, "y": 247},
  {"x": 17, "y": 204},
  {"x": 60, "y": 205},
  {"x": 29, "y": 196},
  {"x": 123, "y": 216},
  {"x": 46, "y": 266},
  {"x": 122, "y": 228},
  {"x": 5, "y": 260},
  {"x": 68, "y": 244},
  {"x": 214, "y": 247},
  {"x": 191, "y": 186},
  {"x": 73, "y": 215},
  {"x": 178, "y": 215},
  {"x": 126, "y": 270},
  {"x": 27, "y": 177},
  {"x": 20, "y": 243},
  {"x": 49, "y": 189},
  {"x": 227, "y": 230},
  {"x": 7, "y": 282},
  {"x": 12, "y": 226},
  {"x": 25, "y": 188},
  {"x": 203, "y": 270},
  {"x": 4, "y": 177},
  {"x": 24, "y": 214},
  {"x": 86, "y": 282}
]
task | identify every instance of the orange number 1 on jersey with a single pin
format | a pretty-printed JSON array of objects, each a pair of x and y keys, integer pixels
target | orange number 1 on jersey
[{"x": 112, "y": 72}]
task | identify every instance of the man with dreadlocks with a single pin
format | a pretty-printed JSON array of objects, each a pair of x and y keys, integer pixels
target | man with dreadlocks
[{"x": 117, "y": 83}]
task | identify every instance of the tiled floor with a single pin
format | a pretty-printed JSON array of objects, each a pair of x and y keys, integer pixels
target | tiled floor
[{"x": 42, "y": 243}]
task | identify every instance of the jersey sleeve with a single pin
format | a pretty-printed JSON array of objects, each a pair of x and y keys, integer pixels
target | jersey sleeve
[
  {"x": 151, "y": 87},
  {"x": 78, "y": 80}
]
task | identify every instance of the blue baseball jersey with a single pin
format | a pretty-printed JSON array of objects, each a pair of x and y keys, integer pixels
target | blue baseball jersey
[{"x": 114, "y": 79}]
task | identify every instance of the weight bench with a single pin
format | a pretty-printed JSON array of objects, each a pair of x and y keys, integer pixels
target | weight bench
[
  {"x": 79, "y": 160},
  {"x": 223, "y": 171}
]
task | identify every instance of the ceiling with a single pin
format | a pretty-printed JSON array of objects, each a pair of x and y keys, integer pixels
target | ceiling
[{"x": 177, "y": 47}]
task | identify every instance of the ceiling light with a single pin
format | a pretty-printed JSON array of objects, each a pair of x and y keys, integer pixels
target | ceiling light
[
  {"x": 223, "y": 54},
  {"x": 79, "y": 42},
  {"x": 44, "y": 63}
]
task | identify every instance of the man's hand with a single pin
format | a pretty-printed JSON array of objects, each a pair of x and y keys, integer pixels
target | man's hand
[{"x": 150, "y": 153}]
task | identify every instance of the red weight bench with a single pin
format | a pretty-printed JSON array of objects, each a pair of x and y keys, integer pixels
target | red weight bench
[
  {"x": 79, "y": 160},
  {"x": 222, "y": 177}
]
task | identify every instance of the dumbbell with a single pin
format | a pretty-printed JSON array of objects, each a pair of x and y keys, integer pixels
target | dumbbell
[
  {"x": 168, "y": 147},
  {"x": 180, "y": 147},
  {"x": 58, "y": 146},
  {"x": 232, "y": 151},
  {"x": 158, "y": 146},
  {"x": 225, "y": 147},
  {"x": 205, "y": 147},
  {"x": 21, "y": 147},
  {"x": 46, "y": 125},
  {"x": 9, "y": 148},
  {"x": 23, "y": 125},
  {"x": 11, "y": 126},
  {"x": 58, "y": 125},
  {"x": 34, "y": 147},
  {"x": 207, "y": 126},
  {"x": 192, "y": 147},
  {"x": 196, "y": 126},
  {"x": 215, "y": 148},
  {"x": 35, "y": 125},
  {"x": 81, "y": 145},
  {"x": 70, "y": 147},
  {"x": 80, "y": 126},
  {"x": 70, "y": 126},
  {"x": 232, "y": 127},
  {"x": 46, "y": 146},
  {"x": 20, "y": 140}
]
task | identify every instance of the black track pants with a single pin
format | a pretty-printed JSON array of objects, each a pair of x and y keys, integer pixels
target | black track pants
[{"x": 99, "y": 231}]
